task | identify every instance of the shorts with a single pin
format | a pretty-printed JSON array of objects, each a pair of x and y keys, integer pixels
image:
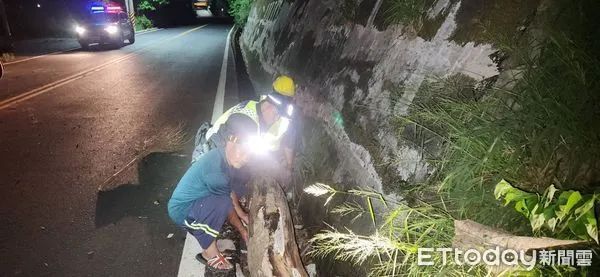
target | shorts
[{"x": 206, "y": 218}]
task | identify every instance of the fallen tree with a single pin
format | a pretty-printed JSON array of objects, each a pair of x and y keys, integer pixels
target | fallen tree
[
  {"x": 272, "y": 248},
  {"x": 472, "y": 235}
]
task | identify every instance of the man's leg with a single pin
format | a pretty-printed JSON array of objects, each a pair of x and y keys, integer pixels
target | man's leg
[
  {"x": 212, "y": 251},
  {"x": 205, "y": 221}
]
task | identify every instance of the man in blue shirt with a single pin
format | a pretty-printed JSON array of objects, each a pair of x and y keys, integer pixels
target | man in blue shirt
[{"x": 207, "y": 194}]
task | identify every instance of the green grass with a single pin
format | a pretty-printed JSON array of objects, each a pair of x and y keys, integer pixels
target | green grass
[
  {"x": 393, "y": 249},
  {"x": 142, "y": 23},
  {"x": 542, "y": 129},
  {"x": 240, "y": 10},
  {"x": 409, "y": 13}
]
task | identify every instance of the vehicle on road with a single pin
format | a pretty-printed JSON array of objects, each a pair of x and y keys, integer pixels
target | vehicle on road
[
  {"x": 105, "y": 25},
  {"x": 200, "y": 4}
]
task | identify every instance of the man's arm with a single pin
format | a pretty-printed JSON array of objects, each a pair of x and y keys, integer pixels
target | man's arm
[{"x": 238, "y": 209}]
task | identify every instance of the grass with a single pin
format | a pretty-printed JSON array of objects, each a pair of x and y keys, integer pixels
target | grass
[
  {"x": 142, "y": 23},
  {"x": 542, "y": 128},
  {"x": 393, "y": 249},
  {"x": 405, "y": 11}
]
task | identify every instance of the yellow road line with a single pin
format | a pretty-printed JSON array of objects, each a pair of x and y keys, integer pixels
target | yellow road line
[
  {"x": 67, "y": 50},
  {"x": 40, "y": 56},
  {"x": 37, "y": 91}
]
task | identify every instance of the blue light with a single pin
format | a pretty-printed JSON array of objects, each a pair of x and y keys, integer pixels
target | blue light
[{"x": 97, "y": 9}]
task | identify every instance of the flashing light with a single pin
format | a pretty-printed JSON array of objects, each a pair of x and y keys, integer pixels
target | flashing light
[
  {"x": 114, "y": 9},
  {"x": 109, "y": 9},
  {"x": 111, "y": 29}
]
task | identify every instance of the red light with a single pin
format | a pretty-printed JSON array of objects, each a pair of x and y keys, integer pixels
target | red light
[{"x": 114, "y": 9}]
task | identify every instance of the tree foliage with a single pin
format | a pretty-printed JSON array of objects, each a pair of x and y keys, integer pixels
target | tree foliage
[
  {"x": 569, "y": 210},
  {"x": 240, "y": 10},
  {"x": 151, "y": 5}
]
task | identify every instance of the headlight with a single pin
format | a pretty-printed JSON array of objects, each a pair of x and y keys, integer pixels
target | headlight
[
  {"x": 79, "y": 30},
  {"x": 257, "y": 145},
  {"x": 111, "y": 29}
]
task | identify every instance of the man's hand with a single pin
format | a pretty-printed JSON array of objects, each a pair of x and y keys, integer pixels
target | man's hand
[
  {"x": 238, "y": 208},
  {"x": 245, "y": 235}
]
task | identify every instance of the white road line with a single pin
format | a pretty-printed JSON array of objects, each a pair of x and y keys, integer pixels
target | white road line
[
  {"x": 149, "y": 31},
  {"x": 48, "y": 87},
  {"x": 63, "y": 51},
  {"x": 220, "y": 97},
  {"x": 189, "y": 266}
]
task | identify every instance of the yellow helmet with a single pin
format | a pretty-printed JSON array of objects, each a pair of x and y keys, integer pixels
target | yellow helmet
[{"x": 284, "y": 85}]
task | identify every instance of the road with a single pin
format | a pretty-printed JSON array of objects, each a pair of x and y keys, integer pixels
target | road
[{"x": 69, "y": 121}]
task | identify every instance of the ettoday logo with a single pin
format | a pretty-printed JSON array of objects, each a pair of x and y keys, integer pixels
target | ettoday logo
[{"x": 506, "y": 257}]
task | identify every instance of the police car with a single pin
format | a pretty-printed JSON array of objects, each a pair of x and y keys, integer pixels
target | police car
[{"x": 105, "y": 25}]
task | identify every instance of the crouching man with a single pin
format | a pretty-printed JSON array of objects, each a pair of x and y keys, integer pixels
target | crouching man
[{"x": 207, "y": 194}]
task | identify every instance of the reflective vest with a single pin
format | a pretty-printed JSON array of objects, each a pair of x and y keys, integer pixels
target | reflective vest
[{"x": 272, "y": 137}]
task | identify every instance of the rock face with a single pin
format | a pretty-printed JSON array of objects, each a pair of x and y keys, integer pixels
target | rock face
[
  {"x": 366, "y": 62},
  {"x": 345, "y": 60}
]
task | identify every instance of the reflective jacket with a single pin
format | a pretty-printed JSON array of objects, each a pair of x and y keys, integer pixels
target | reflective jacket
[{"x": 272, "y": 137}]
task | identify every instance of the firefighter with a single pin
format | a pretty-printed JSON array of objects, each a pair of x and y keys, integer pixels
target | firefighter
[{"x": 272, "y": 113}]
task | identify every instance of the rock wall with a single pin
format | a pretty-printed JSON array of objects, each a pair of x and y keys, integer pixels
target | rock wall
[{"x": 367, "y": 62}]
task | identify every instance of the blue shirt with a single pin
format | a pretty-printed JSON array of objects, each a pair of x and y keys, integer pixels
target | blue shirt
[{"x": 210, "y": 175}]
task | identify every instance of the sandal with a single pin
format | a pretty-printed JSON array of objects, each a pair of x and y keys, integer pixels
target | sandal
[{"x": 214, "y": 262}]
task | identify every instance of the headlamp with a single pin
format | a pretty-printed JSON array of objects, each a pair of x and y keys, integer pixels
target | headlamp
[
  {"x": 257, "y": 145},
  {"x": 275, "y": 100}
]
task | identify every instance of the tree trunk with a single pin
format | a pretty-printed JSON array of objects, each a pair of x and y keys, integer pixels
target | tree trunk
[
  {"x": 272, "y": 249},
  {"x": 472, "y": 235}
]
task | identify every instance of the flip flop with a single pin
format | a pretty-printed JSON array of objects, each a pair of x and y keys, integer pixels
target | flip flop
[{"x": 213, "y": 263}]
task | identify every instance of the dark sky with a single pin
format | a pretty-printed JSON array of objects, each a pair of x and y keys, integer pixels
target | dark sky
[
  {"x": 57, "y": 17},
  {"x": 71, "y": 5}
]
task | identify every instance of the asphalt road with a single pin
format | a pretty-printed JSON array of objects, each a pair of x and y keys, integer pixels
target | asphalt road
[{"x": 59, "y": 145}]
